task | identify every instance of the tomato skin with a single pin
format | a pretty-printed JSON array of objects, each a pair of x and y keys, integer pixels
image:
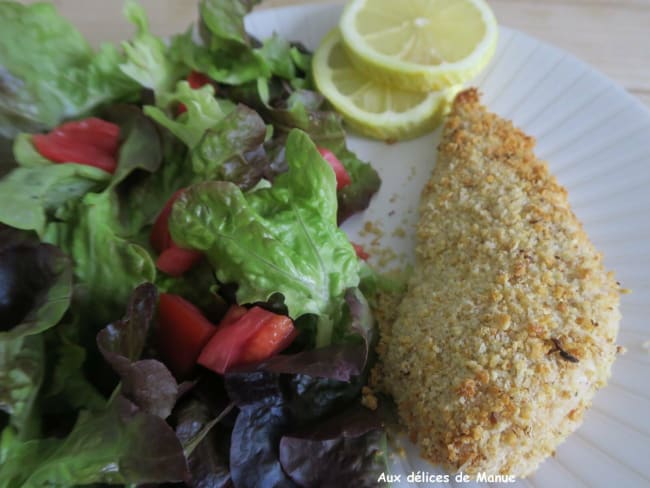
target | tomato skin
[
  {"x": 342, "y": 177},
  {"x": 100, "y": 133},
  {"x": 93, "y": 142},
  {"x": 275, "y": 336},
  {"x": 160, "y": 239},
  {"x": 255, "y": 336},
  {"x": 172, "y": 259},
  {"x": 175, "y": 260},
  {"x": 361, "y": 252},
  {"x": 234, "y": 313},
  {"x": 181, "y": 334},
  {"x": 197, "y": 80}
]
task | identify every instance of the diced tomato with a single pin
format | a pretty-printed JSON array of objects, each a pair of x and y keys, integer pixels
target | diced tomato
[
  {"x": 196, "y": 80},
  {"x": 342, "y": 177},
  {"x": 275, "y": 336},
  {"x": 182, "y": 333},
  {"x": 159, "y": 237},
  {"x": 172, "y": 260},
  {"x": 91, "y": 141},
  {"x": 234, "y": 313},
  {"x": 255, "y": 336},
  {"x": 100, "y": 133},
  {"x": 361, "y": 252},
  {"x": 175, "y": 260}
]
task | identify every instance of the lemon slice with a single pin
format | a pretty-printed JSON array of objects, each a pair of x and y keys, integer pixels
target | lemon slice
[
  {"x": 371, "y": 108},
  {"x": 420, "y": 44}
]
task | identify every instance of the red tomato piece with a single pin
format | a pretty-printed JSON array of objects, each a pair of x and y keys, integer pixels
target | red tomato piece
[
  {"x": 93, "y": 142},
  {"x": 172, "y": 260},
  {"x": 361, "y": 252},
  {"x": 159, "y": 237},
  {"x": 175, "y": 260},
  {"x": 255, "y": 336},
  {"x": 342, "y": 177},
  {"x": 100, "y": 133},
  {"x": 182, "y": 333},
  {"x": 275, "y": 336},
  {"x": 197, "y": 80},
  {"x": 234, "y": 313}
]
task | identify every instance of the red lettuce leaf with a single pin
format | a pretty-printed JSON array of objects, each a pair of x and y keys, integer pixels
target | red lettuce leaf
[
  {"x": 146, "y": 382},
  {"x": 208, "y": 461},
  {"x": 35, "y": 284},
  {"x": 343, "y": 451}
]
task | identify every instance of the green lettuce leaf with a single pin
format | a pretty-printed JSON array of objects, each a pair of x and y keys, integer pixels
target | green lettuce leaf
[
  {"x": 228, "y": 55},
  {"x": 114, "y": 446},
  {"x": 303, "y": 109},
  {"x": 148, "y": 61},
  {"x": 68, "y": 390},
  {"x": 232, "y": 150},
  {"x": 22, "y": 368},
  {"x": 140, "y": 158},
  {"x": 106, "y": 266},
  {"x": 279, "y": 239},
  {"x": 35, "y": 291},
  {"x": 203, "y": 111},
  {"x": 140, "y": 145},
  {"x": 32, "y": 192},
  {"x": 7, "y": 160},
  {"x": 50, "y": 73},
  {"x": 233, "y": 65},
  {"x": 224, "y": 20},
  {"x": 277, "y": 52},
  {"x": 103, "y": 232}
]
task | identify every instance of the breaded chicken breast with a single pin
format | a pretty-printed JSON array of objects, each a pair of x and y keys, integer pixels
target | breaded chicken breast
[{"x": 509, "y": 323}]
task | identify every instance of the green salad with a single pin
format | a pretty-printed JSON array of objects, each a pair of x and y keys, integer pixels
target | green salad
[{"x": 178, "y": 304}]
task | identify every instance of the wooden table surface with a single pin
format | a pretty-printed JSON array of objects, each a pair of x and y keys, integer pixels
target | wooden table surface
[{"x": 611, "y": 35}]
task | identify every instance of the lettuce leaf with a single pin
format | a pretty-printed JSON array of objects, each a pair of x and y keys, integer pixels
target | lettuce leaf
[
  {"x": 148, "y": 61},
  {"x": 304, "y": 109},
  {"x": 113, "y": 446},
  {"x": 35, "y": 284},
  {"x": 111, "y": 443},
  {"x": 208, "y": 460},
  {"x": 50, "y": 73},
  {"x": 343, "y": 451},
  {"x": 32, "y": 192},
  {"x": 68, "y": 389},
  {"x": 203, "y": 112},
  {"x": 106, "y": 266},
  {"x": 226, "y": 54},
  {"x": 22, "y": 369},
  {"x": 35, "y": 291},
  {"x": 232, "y": 150},
  {"x": 287, "y": 425},
  {"x": 102, "y": 232},
  {"x": 146, "y": 382},
  {"x": 279, "y": 239}
]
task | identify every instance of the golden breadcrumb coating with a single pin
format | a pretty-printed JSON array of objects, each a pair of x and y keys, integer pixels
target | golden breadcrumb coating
[{"x": 509, "y": 324}]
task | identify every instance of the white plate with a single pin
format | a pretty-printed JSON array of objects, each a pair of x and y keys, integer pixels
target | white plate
[{"x": 596, "y": 139}]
